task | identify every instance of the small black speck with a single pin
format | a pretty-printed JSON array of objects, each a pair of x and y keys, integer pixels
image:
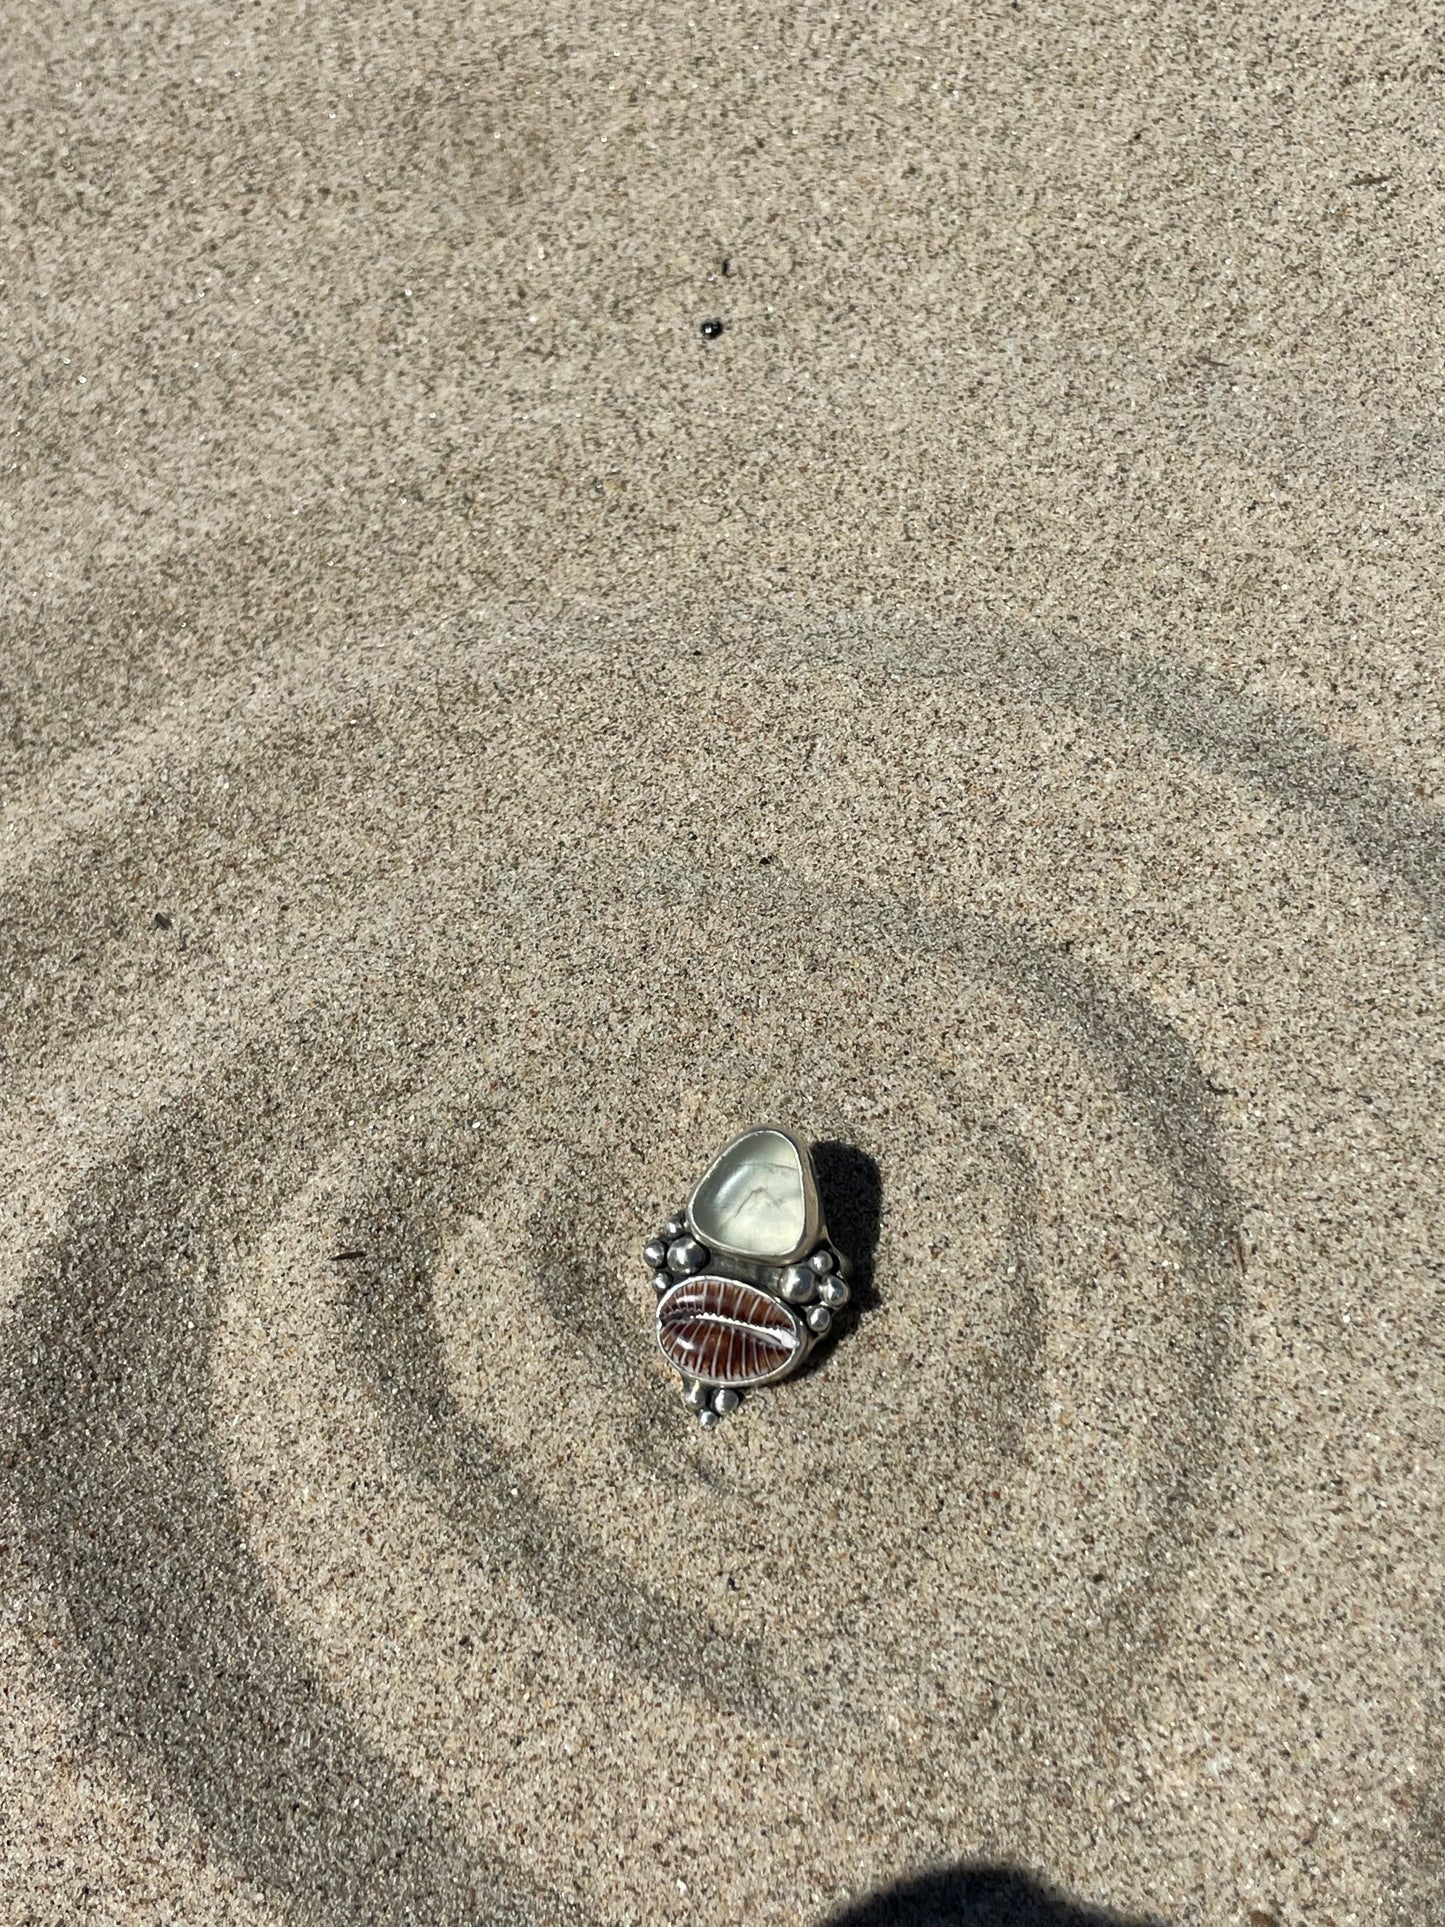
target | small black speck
[
  {"x": 346, "y": 1257},
  {"x": 765, "y": 859},
  {"x": 711, "y": 330},
  {"x": 161, "y": 921}
]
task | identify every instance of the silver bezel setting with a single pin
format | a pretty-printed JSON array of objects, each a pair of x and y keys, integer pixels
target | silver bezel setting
[{"x": 812, "y": 1210}]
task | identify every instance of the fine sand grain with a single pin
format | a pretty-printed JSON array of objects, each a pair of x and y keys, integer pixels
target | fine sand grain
[{"x": 473, "y": 744}]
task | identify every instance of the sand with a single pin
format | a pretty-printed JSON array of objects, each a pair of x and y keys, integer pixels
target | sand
[{"x": 473, "y": 744}]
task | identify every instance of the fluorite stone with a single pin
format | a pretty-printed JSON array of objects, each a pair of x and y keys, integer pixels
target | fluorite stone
[
  {"x": 754, "y": 1201},
  {"x": 723, "y": 1332}
]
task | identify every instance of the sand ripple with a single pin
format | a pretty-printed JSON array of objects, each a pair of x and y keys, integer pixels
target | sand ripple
[{"x": 402, "y": 1571}]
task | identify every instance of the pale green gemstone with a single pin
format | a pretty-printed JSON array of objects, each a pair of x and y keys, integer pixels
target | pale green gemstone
[{"x": 752, "y": 1201}]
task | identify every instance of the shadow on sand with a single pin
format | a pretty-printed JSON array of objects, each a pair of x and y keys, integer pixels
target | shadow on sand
[
  {"x": 851, "y": 1191},
  {"x": 977, "y": 1895}
]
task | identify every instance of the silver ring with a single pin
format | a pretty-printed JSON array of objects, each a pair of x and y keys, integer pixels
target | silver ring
[{"x": 747, "y": 1280}]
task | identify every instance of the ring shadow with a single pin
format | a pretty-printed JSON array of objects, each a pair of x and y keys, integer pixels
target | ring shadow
[
  {"x": 851, "y": 1189},
  {"x": 977, "y": 1894}
]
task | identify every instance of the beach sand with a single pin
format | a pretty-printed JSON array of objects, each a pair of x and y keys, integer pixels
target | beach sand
[{"x": 473, "y": 744}]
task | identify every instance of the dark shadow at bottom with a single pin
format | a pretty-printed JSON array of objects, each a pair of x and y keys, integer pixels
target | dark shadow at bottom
[{"x": 977, "y": 1895}]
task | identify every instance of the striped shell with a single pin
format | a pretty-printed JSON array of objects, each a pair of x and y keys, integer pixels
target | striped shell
[{"x": 727, "y": 1333}]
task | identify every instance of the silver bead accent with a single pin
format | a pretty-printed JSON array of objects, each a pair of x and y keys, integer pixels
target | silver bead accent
[
  {"x": 674, "y": 1228},
  {"x": 685, "y": 1255},
  {"x": 820, "y": 1318},
  {"x": 661, "y": 1280},
  {"x": 654, "y": 1254},
  {"x": 822, "y": 1260},
  {"x": 707, "y": 1420},
  {"x": 797, "y": 1283},
  {"x": 725, "y": 1401},
  {"x": 833, "y": 1292},
  {"x": 695, "y": 1397}
]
